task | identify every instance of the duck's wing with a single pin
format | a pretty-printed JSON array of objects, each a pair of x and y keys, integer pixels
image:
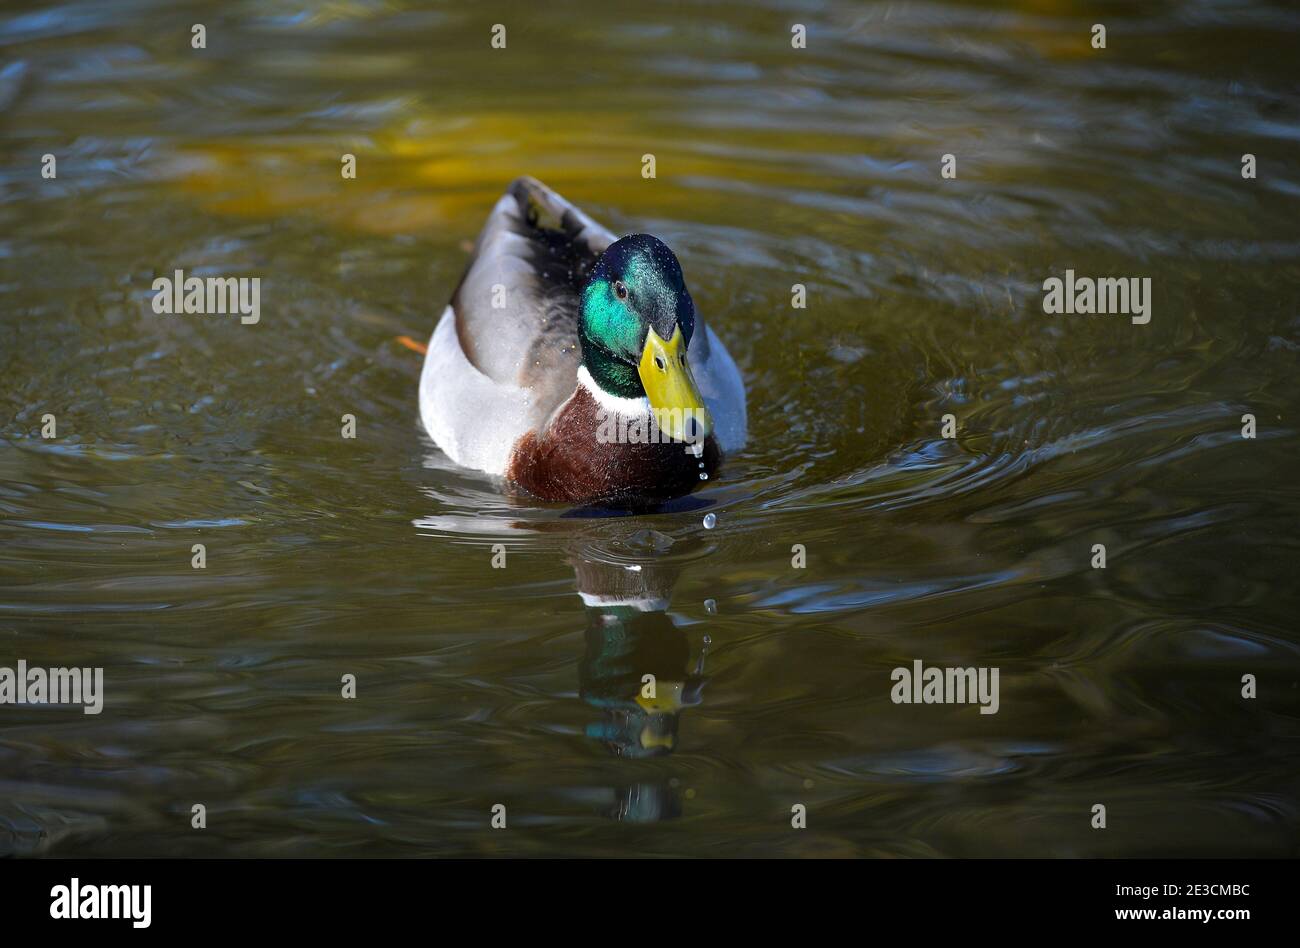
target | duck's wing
[
  {"x": 517, "y": 306},
  {"x": 505, "y": 354},
  {"x": 721, "y": 385}
]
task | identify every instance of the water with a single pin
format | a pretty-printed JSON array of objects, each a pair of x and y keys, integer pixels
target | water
[{"x": 373, "y": 557}]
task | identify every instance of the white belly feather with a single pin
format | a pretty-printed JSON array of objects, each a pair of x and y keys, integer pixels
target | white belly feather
[{"x": 474, "y": 419}]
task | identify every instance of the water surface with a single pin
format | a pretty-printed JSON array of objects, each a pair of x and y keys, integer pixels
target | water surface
[{"x": 775, "y": 166}]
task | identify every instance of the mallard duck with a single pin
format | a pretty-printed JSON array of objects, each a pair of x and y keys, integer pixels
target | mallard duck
[{"x": 574, "y": 365}]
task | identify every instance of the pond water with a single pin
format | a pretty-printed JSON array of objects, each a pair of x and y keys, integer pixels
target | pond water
[{"x": 373, "y": 556}]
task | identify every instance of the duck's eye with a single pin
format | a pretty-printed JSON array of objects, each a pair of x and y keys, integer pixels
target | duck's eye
[{"x": 620, "y": 290}]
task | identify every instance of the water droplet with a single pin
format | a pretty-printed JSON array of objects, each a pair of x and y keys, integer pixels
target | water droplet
[
  {"x": 711, "y": 608},
  {"x": 703, "y": 476},
  {"x": 710, "y": 521}
]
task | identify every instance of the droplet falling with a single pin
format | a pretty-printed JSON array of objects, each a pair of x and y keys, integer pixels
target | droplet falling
[{"x": 710, "y": 521}]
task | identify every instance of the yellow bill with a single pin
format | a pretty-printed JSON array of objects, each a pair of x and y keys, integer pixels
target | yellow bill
[{"x": 675, "y": 399}]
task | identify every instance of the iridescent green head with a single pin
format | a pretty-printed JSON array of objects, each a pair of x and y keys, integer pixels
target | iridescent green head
[{"x": 636, "y": 326}]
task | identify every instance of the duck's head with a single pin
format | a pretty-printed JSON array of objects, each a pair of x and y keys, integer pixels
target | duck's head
[{"x": 636, "y": 325}]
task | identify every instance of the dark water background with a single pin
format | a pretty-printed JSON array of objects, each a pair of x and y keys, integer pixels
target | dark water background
[{"x": 480, "y": 686}]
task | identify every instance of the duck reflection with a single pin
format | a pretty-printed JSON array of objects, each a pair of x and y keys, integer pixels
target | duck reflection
[{"x": 636, "y": 670}]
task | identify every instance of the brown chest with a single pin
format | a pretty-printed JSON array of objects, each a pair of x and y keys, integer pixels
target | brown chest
[{"x": 580, "y": 457}]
